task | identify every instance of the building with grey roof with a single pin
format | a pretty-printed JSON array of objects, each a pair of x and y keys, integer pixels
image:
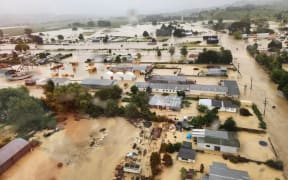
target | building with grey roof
[
  {"x": 218, "y": 141},
  {"x": 221, "y": 105},
  {"x": 169, "y": 79},
  {"x": 186, "y": 153},
  {"x": 13, "y": 151},
  {"x": 222, "y": 71},
  {"x": 220, "y": 171},
  {"x": 60, "y": 81},
  {"x": 98, "y": 83},
  {"x": 232, "y": 86},
  {"x": 194, "y": 89},
  {"x": 166, "y": 102}
]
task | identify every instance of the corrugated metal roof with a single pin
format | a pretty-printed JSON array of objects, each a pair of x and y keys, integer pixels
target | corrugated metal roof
[
  {"x": 12, "y": 148},
  {"x": 166, "y": 101},
  {"x": 233, "y": 89},
  {"x": 98, "y": 82},
  {"x": 220, "y": 171}
]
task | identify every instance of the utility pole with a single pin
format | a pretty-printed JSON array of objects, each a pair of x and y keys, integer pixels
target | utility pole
[
  {"x": 265, "y": 104},
  {"x": 245, "y": 88},
  {"x": 251, "y": 80}
]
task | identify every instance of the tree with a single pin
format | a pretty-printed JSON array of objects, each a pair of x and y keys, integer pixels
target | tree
[
  {"x": 181, "y": 93},
  {"x": 49, "y": 87},
  {"x": 114, "y": 92},
  {"x": 202, "y": 108},
  {"x": 37, "y": 39},
  {"x": 138, "y": 55},
  {"x": 145, "y": 34},
  {"x": 52, "y": 40},
  {"x": 184, "y": 51},
  {"x": 90, "y": 23},
  {"x": 171, "y": 50},
  {"x": 183, "y": 172},
  {"x": 131, "y": 111},
  {"x": 202, "y": 168},
  {"x": 149, "y": 90},
  {"x": 275, "y": 45},
  {"x": 1, "y": 33},
  {"x": 60, "y": 37},
  {"x": 105, "y": 39},
  {"x": 112, "y": 108},
  {"x": 168, "y": 161},
  {"x": 22, "y": 47},
  {"x": 237, "y": 35},
  {"x": 155, "y": 162},
  {"x": 134, "y": 89},
  {"x": 230, "y": 125},
  {"x": 81, "y": 37},
  {"x": 159, "y": 54},
  {"x": 28, "y": 31}
]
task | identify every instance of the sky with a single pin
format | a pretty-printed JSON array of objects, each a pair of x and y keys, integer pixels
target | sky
[{"x": 104, "y": 7}]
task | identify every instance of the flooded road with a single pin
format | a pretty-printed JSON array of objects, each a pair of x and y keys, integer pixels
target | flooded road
[{"x": 262, "y": 87}]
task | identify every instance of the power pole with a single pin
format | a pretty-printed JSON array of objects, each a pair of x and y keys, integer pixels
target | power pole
[
  {"x": 245, "y": 89},
  {"x": 265, "y": 104},
  {"x": 251, "y": 80}
]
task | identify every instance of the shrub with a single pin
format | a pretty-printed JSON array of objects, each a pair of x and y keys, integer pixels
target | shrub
[
  {"x": 278, "y": 165},
  {"x": 168, "y": 161},
  {"x": 245, "y": 112}
]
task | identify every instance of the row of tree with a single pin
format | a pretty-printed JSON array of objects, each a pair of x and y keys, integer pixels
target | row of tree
[{"x": 215, "y": 57}]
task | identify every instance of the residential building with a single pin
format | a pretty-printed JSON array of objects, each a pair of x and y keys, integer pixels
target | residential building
[
  {"x": 12, "y": 152},
  {"x": 186, "y": 153},
  {"x": 222, "y": 105},
  {"x": 132, "y": 168},
  {"x": 222, "y": 71},
  {"x": 166, "y": 102},
  {"x": 222, "y": 141},
  {"x": 220, "y": 171}
]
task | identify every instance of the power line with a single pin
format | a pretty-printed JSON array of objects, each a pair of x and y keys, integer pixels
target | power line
[{"x": 265, "y": 104}]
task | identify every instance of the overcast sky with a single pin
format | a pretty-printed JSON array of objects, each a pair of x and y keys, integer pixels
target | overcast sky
[{"x": 103, "y": 7}]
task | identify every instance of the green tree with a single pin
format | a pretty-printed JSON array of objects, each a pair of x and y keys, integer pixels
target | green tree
[
  {"x": 131, "y": 111},
  {"x": 1, "y": 33},
  {"x": 171, "y": 50},
  {"x": 60, "y": 37},
  {"x": 28, "y": 31},
  {"x": 155, "y": 162},
  {"x": 81, "y": 37},
  {"x": 114, "y": 92},
  {"x": 37, "y": 39},
  {"x": 90, "y": 23},
  {"x": 159, "y": 54},
  {"x": 112, "y": 108},
  {"x": 183, "y": 172},
  {"x": 149, "y": 90},
  {"x": 275, "y": 45},
  {"x": 168, "y": 161},
  {"x": 181, "y": 93},
  {"x": 145, "y": 34},
  {"x": 134, "y": 89},
  {"x": 230, "y": 125},
  {"x": 237, "y": 35},
  {"x": 184, "y": 51},
  {"x": 22, "y": 47}
]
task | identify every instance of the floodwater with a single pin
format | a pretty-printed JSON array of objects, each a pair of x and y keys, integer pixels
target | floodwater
[{"x": 262, "y": 87}]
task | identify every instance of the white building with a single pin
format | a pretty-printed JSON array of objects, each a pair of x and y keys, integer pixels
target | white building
[
  {"x": 222, "y": 105},
  {"x": 129, "y": 76},
  {"x": 222, "y": 141},
  {"x": 107, "y": 75},
  {"x": 118, "y": 76}
]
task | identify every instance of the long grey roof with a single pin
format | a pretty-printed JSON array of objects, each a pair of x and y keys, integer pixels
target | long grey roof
[
  {"x": 233, "y": 89},
  {"x": 11, "y": 149},
  {"x": 220, "y": 171},
  {"x": 183, "y": 87},
  {"x": 168, "y": 78},
  {"x": 224, "y": 138}
]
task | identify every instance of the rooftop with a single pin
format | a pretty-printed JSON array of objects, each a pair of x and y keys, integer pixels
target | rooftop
[
  {"x": 12, "y": 148},
  {"x": 98, "y": 82},
  {"x": 232, "y": 86},
  {"x": 220, "y": 171},
  {"x": 166, "y": 101}
]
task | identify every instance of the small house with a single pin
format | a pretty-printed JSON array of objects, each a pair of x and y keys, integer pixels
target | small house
[
  {"x": 221, "y": 105},
  {"x": 132, "y": 168},
  {"x": 186, "y": 153},
  {"x": 166, "y": 102}
]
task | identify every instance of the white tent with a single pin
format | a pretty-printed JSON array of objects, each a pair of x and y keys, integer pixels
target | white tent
[
  {"x": 118, "y": 76},
  {"x": 129, "y": 76},
  {"x": 107, "y": 75}
]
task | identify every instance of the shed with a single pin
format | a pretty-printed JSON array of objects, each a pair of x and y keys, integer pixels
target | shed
[
  {"x": 98, "y": 83},
  {"x": 186, "y": 153},
  {"x": 12, "y": 152}
]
